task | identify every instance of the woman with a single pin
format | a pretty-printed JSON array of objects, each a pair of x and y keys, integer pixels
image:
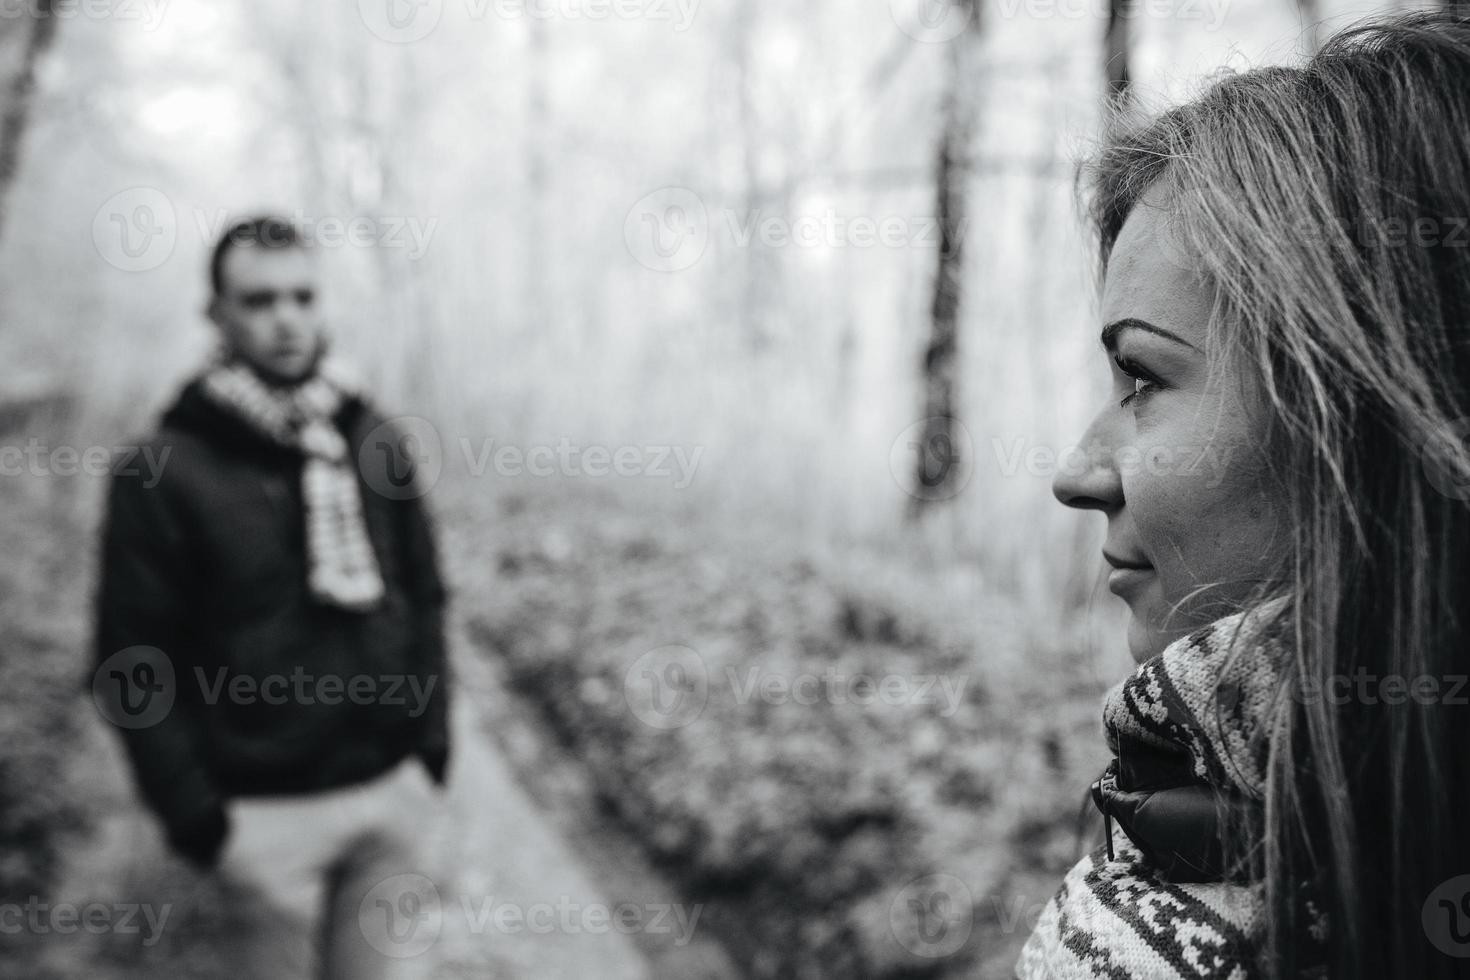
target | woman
[{"x": 1287, "y": 286}]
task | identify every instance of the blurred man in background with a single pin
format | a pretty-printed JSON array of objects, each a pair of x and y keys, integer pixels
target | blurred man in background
[{"x": 270, "y": 615}]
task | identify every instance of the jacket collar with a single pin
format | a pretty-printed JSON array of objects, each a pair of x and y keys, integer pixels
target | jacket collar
[{"x": 194, "y": 412}]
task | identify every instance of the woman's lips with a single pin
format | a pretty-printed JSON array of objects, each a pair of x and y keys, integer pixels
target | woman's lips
[
  {"x": 1128, "y": 575},
  {"x": 1123, "y": 582}
]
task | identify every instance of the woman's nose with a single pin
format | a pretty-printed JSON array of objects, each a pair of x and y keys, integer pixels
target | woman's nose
[{"x": 1087, "y": 476}]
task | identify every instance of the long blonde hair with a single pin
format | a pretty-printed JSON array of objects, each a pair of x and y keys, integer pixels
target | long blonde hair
[{"x": 1327, "y": 204}]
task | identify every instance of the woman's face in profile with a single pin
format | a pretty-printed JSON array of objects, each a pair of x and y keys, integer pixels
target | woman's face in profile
[{"x": 1174, "y": 458}]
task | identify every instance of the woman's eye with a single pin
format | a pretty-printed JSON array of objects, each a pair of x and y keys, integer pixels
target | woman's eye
[{"x": 1145, "y": 383}]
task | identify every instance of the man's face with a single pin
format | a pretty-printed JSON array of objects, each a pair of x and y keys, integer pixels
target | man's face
[{"x": 267, "y": 309}]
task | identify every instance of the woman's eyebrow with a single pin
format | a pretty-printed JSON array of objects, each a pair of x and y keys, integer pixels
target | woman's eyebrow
[{"x": 1111, "y": 331}]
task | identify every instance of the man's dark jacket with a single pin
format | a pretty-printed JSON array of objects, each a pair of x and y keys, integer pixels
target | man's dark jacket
[{"x": 208, "y": 565}]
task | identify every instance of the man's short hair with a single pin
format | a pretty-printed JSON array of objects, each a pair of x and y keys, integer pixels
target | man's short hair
[{"x": 269, "y": 231}]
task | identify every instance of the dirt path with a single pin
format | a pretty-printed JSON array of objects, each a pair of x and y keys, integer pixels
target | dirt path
[
  {"x": 674, "y": 944},
  {"x": 530, "y": 893},
  {"x": 522, "y": 903}
]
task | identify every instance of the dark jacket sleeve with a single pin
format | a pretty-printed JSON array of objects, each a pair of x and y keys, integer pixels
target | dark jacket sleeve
[
  {"x": 428, "y": 593},
  {"x": 143, "y": 601}
]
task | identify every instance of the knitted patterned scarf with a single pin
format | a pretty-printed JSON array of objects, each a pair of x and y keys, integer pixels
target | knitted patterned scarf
[
  {"x": 342, "y": 570},
  {"x": 1127, "y": 910}
]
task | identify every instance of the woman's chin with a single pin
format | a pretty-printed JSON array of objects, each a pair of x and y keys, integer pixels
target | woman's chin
[{"x": 1144, "y": 642}]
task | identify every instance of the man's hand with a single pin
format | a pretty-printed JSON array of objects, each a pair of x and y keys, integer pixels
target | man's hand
[{"x": 436, "y": 761}]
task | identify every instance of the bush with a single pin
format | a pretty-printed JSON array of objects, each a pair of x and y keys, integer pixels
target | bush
[{"x": 810, "y": 831}]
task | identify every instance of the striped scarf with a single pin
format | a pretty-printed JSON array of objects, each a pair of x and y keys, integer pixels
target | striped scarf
[
  {"x": 1209, "y": 701},
  {"x": 341, "y": 567}
]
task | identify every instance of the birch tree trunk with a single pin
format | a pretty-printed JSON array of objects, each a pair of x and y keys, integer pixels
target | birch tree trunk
[
  {"x": 22, "y": 42},
  {"x": 1116, "y": 44},
  {"x": 940, "y": 448}
]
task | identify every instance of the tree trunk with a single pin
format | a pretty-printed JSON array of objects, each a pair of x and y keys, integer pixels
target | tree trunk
[
  {"x": 1116, "y": 44},
  {"x": 537, "y": 315},
  {"x": 940, "y": 446},
  {"x": 22, "y": 41}
]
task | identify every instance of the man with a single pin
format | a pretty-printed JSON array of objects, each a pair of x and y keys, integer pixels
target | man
[{"x": 281, "y": 589}]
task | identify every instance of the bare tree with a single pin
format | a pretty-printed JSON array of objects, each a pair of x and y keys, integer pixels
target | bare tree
[
  {"x": 939, "y": 449},
  {"x": 22, "y": 42},
  {"x": 1116, "y": 45}
]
